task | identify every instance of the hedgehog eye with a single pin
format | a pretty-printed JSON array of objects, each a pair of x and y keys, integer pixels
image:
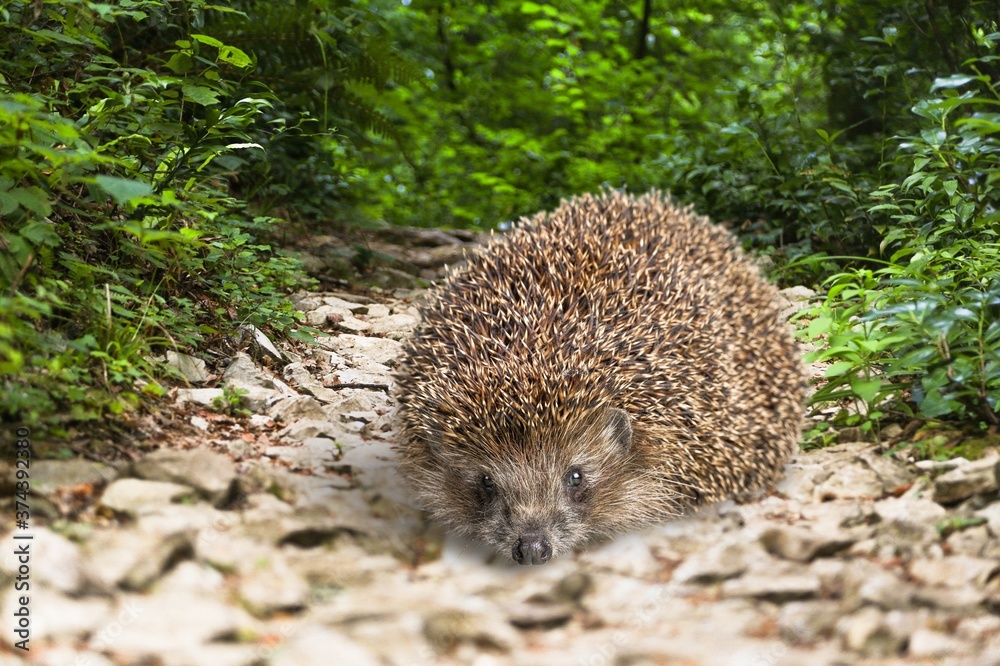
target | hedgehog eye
[
  {"x": 488, "y": 484},
  {"x": 574, "y": 479}
]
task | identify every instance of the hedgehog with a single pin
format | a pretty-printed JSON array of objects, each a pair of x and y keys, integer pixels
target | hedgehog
[{"x": 601, "y": 368}]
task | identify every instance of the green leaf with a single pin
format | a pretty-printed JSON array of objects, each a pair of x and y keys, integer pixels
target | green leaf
[
  {"x": 234, "y": 57},
  {"x": 839, "y": 368},
  {"x": 866, "y": 389},
  {"x": 956, "y": 81},
  {"x": 33, "y": 199},
  {"x": 205, "y": 39},
  {"x": 180, "y": 63},
  {"x": 123, "y": 190},
  {"x": 200, "y": 95}
]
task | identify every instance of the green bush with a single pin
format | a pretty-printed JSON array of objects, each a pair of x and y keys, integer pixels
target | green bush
[{"x": 118, "y": 233}]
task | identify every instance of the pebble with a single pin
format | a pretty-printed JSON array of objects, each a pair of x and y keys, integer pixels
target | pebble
[{"x": 130, "y": 497}]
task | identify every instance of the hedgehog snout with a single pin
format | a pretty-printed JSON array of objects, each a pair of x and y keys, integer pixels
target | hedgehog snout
[{"x": 532, "y": 548}]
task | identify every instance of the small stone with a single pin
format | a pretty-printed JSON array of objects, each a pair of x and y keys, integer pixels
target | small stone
[
  {"x": 289, "y": 410},
  {"x": 954, "y": 570},
  {"x": 802, "y": 545},
  {"x": 132, "y": 559},
  {"x": 777, "y": 588},
  {"x": 929, "y": 644},
  {"x": 991, "y": 513},
  {"x": 978, "y": 627},
  {"x": 396, "y": 326},
  {"x": 973, "y": 478},
  {"x": 304, "y": 429},
  {"x": 540, "y": 616},
  {"x": 190, "y": 368},
  {"x": 47, "y": 476},
  {"x": 361, "y": 348},
  {"x": 851, "y": 480},
  {"x": 205, "y": 397},
  {"x": 211, "y": 474},
  {"x": 192, "y": 577},
  {"x": 956, "y": 599},
  {"x": 56, "y": 617},
  {"x": 130, "y": 497},
  {"x": 807, "y": 621},
  {"x": 868, "y": 632},
  {"x": 715, "y": 564},
  {"x": 55, "y": 562},
  {"x": 200, "y": 423},
  {"x": 919, "y": 513},
  {"x": 171, "y": 623},
  {"x": 447, "y": 628},
  {"x": 970, "y": 541},
  {"x": 273, "y": 587},
  {"x": 317, "y": 645}
]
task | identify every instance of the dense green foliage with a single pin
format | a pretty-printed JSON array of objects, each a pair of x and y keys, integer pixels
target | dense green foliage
[
  {"x": 855, "y": 143},
  {"x": 119, "y": 235}
]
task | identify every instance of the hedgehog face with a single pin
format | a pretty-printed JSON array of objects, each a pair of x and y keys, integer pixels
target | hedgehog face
[{"x": 540, "y": 501}]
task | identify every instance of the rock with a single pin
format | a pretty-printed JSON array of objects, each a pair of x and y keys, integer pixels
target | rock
[
  {"x": 929, "y": 644},
  {"x": 243, "y": 373},
  {"x": 356, "y": 347},
  {"x": 971, "y": 541},
  {"x": 289, "y": 410},
  {"x": 130, "y": 497},
  {"x": 956, "y": 570},
  {"x": 716, "y": 564},
  {"x": 355, "y": 307},
  {"x": 868, "y": 632},
  {"x": 55, "y": 562},
  {"x": 540, "y": 616},
  {"x": 211, "y": 474},
  {"x": 203, "y": 397},
  {"x": 56, "y": 617},
  {"x": 191, "y": 577},
  {"x": 190, "y": 368},
  {"x": 315, "y": 645},
  {"x": 802, "y": 545},
  {"x": 956, "y": 599},
  {"x": 991, "y": 513},
  {"x": 259, "y": 389},
  {"x": 627, "y": 555},
  {"x": 446, "y": 628},
  {"x": 61, "y": 656},
  {"x": 851, "y": 480},
  {"x": 47, "y": 476},
  {"x": 272, "y": 587},
  {"x": 807, "y": 621},
  {"x": 794, "y": 299},
  {"x": 316, "y": 454},
  {"x": 912, "y": 515},
  {"x": 890, "y": 473},
  {"x": 132, "y": 559},
  {"x": 304, "y": 429},
  {"x": 973, "y": 478},
  {"x": 396, "y": 326},
  {"x": 261, "y": 343},
  {"x": 150, "y": 628},
  {"x": 200, "y": 423},
  {"x": 777, "y": 588}
]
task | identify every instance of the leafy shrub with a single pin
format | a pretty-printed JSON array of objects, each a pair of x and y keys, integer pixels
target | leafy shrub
[
  {"x": 119, "y": 236},
  {"x": 925, "y": 329}
]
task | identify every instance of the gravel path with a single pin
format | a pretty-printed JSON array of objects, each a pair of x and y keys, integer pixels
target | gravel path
[{"x": 287, "y": 538}]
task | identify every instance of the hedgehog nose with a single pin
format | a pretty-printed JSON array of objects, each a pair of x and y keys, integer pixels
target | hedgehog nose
[{"x": 532, "y": 548}]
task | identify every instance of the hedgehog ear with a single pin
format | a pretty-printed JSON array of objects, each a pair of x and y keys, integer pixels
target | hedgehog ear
[{"x": 619, "y": 428}]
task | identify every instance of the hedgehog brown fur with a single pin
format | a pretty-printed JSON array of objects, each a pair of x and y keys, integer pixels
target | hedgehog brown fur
[{"x": 600, "y": 368}]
